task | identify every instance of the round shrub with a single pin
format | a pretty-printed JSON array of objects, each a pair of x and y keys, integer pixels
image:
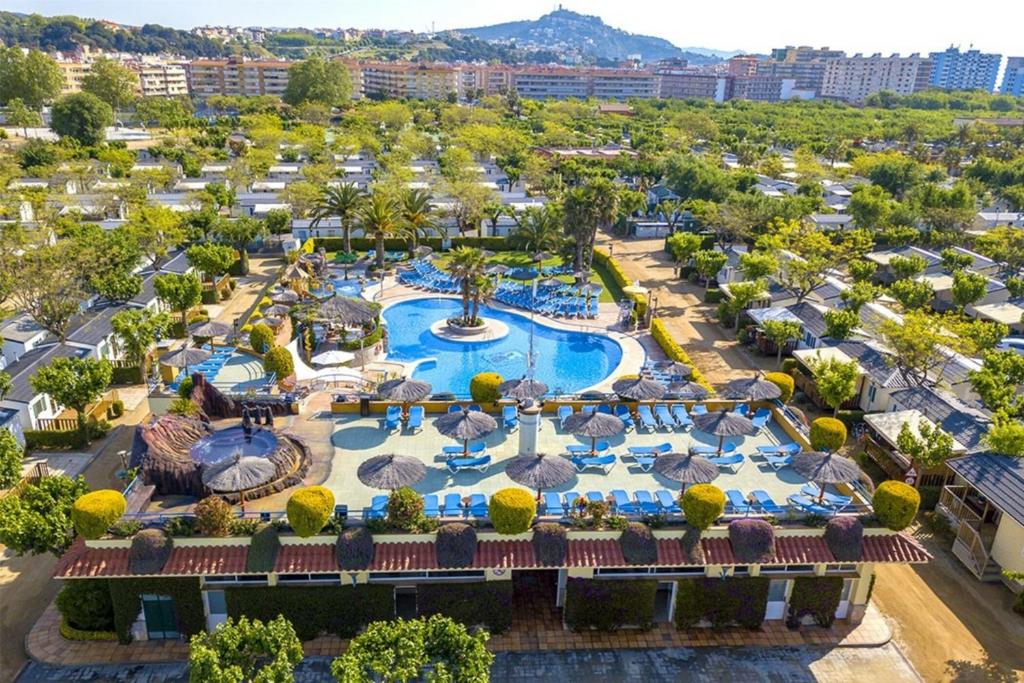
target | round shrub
[
  {"x": 484, "y": 387},
  {"x": 261, "y": 338},
  {"x": 278, "y": 360},
  {"x": 405, "y": 509},
  {"x": 185, "y": 388},
  {"x": 784, "y": 382},
  {"x": 308, "y": 510},
  {"x": 752, "y": 540},
  {"x": 512, "y": 510},
  {"x": 354, "y": 550},
  {"x": 149, "y": 552},
  {"x": 93, "y": 513},
  {"x": 85, "y": 604},
  {"x": 895, "y": 504},
  {"x": 214, "y": 516},
  {"x": 843, "y": 535},
  {"x": 455, "y": 545},
  {"x": 828, "y": 434},
  {"x": 550, "y": 544},
  {"x": 638, "y": 544},
  {"x": 703, "y": 504}
]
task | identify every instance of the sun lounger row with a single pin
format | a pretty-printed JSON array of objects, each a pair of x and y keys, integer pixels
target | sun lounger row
[
  {"x": 413, "y": 421},
  {"x": 642, "y": 502}
]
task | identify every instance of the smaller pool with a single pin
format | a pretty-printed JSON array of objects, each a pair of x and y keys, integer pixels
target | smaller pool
[{"x": 227, "y": 442}]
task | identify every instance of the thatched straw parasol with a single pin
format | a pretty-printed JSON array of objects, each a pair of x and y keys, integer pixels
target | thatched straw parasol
[
  {"x": 405, "y": 391},
  {"x": 674, "y": 368},
  {"x": 539, "y": 471},
  {"x": 723, "y": 423},
  {"x": 238, "y": 474},
  {"x": 521, "y": 389},
  {"x": 686, "y": 469},
  {"x": 639, "y": 389},
  {"x": 825, "y": 468},
  {"x": 466, "y": 425},
  {"x": 595, "y": 425},
  {"x": 347, "y": 310},
  {"x": 210, "y": 329},
  {"x": 277, "y": 310},
  {"x": 688, "y": 391},
  {"x": 185, "y": 356},
  {"x": 753, "y": 388},
  {"x": 286, "y": 297},
  {"x": 391, "y": 471}
]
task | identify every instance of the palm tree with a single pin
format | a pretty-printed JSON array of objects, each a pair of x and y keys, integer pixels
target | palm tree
[
  {"x": 483, "y": 289},
  {"x": 418, "y": 214},
  {"x": 342, "y": 202},
  {"x": 538, "y": 230},
  {"x": 493, "y": 211},
  {"x": 468, "y": 264},
  {"x": 381, "y": 217}
]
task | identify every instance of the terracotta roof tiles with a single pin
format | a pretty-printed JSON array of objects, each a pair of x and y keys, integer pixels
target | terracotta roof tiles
[
  {"x": 306, "y": 559},
  {"x": 207, "y": 560}
]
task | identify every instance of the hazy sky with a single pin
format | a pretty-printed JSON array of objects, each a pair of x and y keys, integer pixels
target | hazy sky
[{"x": 863, "y": 26}]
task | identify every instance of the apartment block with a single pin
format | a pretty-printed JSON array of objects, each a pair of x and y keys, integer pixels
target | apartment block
[
  {"x": 209, "y": 77},
  {"x": 409, "y": 80},
  {"x": 804, "y": 65},
  {"x": 557, "y": 83},
  {"x": 969, "y": 70},
  {"x": 685, "y": 84},
  {"x": 162, "y": 80},
  {"x": 743, "y": 65},
  {"x": 854, "y": 78},
  {"x": 1013, "y": 77},
  {"x": 762, "y": 88},
  {"x": 74, "y": 73},
  {"x": 616, "y": 84}
]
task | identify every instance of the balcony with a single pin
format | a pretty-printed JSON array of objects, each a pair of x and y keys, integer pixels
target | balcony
[{"x": 974, "y": 536}]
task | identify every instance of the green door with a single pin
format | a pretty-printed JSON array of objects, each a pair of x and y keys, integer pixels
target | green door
[{"x": 161, "y": 620}]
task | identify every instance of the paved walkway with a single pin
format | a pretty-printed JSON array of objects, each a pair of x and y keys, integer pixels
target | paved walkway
[{"x": 791, "y": 665}]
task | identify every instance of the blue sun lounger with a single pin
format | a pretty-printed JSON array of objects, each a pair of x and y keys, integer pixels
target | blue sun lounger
[
  {"x": 833, "y": 499},
  {"x": 667, "y": 501},
  {"x": 456, "y": 465},
  {"x": 646, "y": 417},
  {"x": 742, "y": 409},
  {"x": 645, "y": 502},
  {"x": 765, "y": 502},
  {"x": 791, "y": 448},
  {"x": 594, "y": 497},
  {"x": 733, "y": 462},
  {"x": 378, "y": 508},
  {"x": 563, "y": 414},
  {"x": 664, "y": 417},
  {"x": 600, "y": 448},
  {"x": 778, "y": 461},
  {"x": 644, "y": 462},
  {"x": 393, "y": 417},
  {"x": 452, "y": 505},
  {"x": 477, "y": 505},
  {"x": 660, "y": 449},
  {"x": 570, "y": 500},
  {"x": 810, "y": 506},
  {"x": 455, "y": 408},
  {"x": 761, "y": 418},
  {"x": 603, "y": 463},
  {"x": 415, "y": 421},
  {"x": 510, "y": 417},
  {"x": 737, "y": 503},
  {"x": 712, "y": 450},
  {"x": 622, "y": 412},
  {"x": 622, "y": 502},
  {"x": 474, "y": 449},
  {"x": 682, "y": 417},
  {"x": 699, "y": 409},
  {"x": 430, "y": 506},
  {"x": 553, "y": 506}
]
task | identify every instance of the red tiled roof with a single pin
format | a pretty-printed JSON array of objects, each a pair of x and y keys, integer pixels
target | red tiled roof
[
  {"x": 403, "y": 557},
  {"x": 802, "y": 550},
  {"x": 595, "y": 553},
  {"x": 83, "y": 562},
  {"x": 504, "y": 555},
  {"x": 306, "y": 559},
  {"x": 228, "y": 559},
  {"x": 893, "y": 548},
  {"x": 717, "y": 551}
]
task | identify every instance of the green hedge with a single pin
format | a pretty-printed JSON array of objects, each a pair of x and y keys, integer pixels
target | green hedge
[
  {"x": 188, "y": 603},
  {"x": 674, "y": 351},
  {"x": 618, "y": 275},
  {"x": 723, "y": 602},
  {"x": 607, "y": 605},
  {"x": 126, "y": 375},
  {"x": 713, "y": 296},
  {"x": 364, "y": 343},
  {"x": 484, "y": 603},
  {"x": 85, "y": 606},
  {"x": 815, "y": 596},
  {"x": 62, "y": 439},
  {"x": 339, "y": 610}
]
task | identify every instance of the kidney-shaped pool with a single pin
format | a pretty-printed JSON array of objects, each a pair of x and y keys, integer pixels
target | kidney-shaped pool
[{"x": 567, "y": 361}]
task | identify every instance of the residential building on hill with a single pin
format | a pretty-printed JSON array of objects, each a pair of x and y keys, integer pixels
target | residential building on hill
[
  {"x": 208, "y": 77},
  {"x": 854, "y": 78},
  {"x": 969, "y": 70}
]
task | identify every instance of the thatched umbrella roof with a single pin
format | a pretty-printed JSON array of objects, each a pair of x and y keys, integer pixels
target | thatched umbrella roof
[
  {"x": 688, "y": 391},
  {"x": 524, "y": 388},
  {"x": 497, "y": 269},
  {"x": 391, "y": 471},
  {"x": 753, "y": 388},
  {"x": 422, "y": 250},
  {"x": 523, "y": 273},
  {"x": 238, "y": 473},
  {"x": 277, "y": 310},
  {"x": 596, "y": 425},
  {"x": 210, "y": 328},
  {"x": 825, "y": 468},
  {"x": 539, "y": 471},
  {"x": 404, "y": 390},
  {"x": 674, "y": 368},
  {"x": 466, "y": 424},
  {"x": 591, "y": 288},
  {"x": 639, "y": 389},
  {"x": 185, "y": 356},
  {"x": 347, "y": 310},
  {"x": 687, "y": 469},
  {"x": 551, "y": 282},
  {"x": 285, "y": 297},
  {"x": 724, "y": 423},
  {"x": 295, "y": 272}
]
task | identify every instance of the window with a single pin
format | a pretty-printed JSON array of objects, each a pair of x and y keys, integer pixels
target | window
[
  {"x": 788, "y": 569},
  {"x": 840, "y": 568},
  {"x": 740, "y": 571},
  {"x": 309, "y": 578},
  {"x": 238, "y": 578},
  {"x": 218, "y": 605}
]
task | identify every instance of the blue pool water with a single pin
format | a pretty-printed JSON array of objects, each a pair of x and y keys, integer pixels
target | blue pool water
[
  {"x": 226, "y": 442},
  {"x": 566, "y": 361}
]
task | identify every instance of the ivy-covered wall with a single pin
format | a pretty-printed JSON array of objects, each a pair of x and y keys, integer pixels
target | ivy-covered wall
[
  {"x": 724, "y": 602},
  {"x": 484, "y": 603},
  {"x": 339, "y": 610},
  {"x": 814, "y": 596},
  {"x": 126, "y": 594},
  {"x": 607, "y": 605}
]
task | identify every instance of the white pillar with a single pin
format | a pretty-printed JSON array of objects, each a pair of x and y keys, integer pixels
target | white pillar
[{"x": 529, "y": 428}]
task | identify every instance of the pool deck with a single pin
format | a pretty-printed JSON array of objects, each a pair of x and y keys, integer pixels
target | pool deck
[{"x": 341, "y": 443}]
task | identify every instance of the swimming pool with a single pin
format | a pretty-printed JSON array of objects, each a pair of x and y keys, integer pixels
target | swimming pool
[
  {"x": 566, "y": 361},
  {"x": 226, "y": 442}
]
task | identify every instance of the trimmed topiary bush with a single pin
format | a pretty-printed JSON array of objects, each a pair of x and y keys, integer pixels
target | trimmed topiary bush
[
  {"x": 638, "y": 544},
  {"x": 455, "y": 545},
  {"x": 405, "y": 509},
  {"x": 94, "y": 513},
  {"x": 214, "y": 516},
  {"x": 550, "y": 544},
  {"x": 605, "y": 605},
  {"x": 752, "y": 541},
  {"x": 895, "y": 504},
  {"x": 703, "y": 504},
  {"x": 308, "y": 510},
  {"x": 185, "y": 388},
  {"x": 843, "y": 535},
  {"x": 261, "y": 338},
  {"x": 512, "y": 510},
  {"x": 784, "y": 382},
  {"x": 814, "y": 596},
  {"x": 278, "y": 361},
  {"x": 484, "y": 387},
  {"x": 827, "y": 434},
  {"x": 149, "y": 552},
  {"x": 85, "y": 605},
  {"x": 737, "y": 600},
  {"x": 263, "y": 549},
  {"x": 354, "y": 549}
]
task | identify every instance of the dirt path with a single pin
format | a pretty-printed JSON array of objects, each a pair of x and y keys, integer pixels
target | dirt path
[
  {"x": 714, "y": 350},
  {"x": 950, "y": 626}
]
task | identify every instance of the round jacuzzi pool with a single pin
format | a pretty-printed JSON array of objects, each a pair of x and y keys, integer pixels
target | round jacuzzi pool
[{"x": 227, "y": 442}]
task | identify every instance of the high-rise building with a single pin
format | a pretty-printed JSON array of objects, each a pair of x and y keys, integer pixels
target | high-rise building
[
  {"x": 743, "y": 65},
  {"x": 969, "y": 70},
  {"x": 1013, "y": 78},
  {"x": 161, "y": 80},
  {"x": 854, "y": 78},
  {"x": 804, "y": 65}
]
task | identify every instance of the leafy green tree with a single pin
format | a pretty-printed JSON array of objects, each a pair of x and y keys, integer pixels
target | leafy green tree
[
  {"x": 918, "y": 346},
  {"x": 871, "y": 207},
  {"x": 165, "y": 112},
  {"x": 37, "y": 519},
  {"x": 245, "y": 650},
  {"x": 112, "y": 82},
  {"x": 469, "y": 200},
  {"x": 212, "y": 260},
  {"x": 239, "y": 233},
  {"x": 758, "y": 264},
  {"x": 341, "y": 202},
  {"x": 858, "y": 294},
  {"x": 968, "y": 288},
  {"x": 6, "y": 384},
  {"x": 18, "y": 114},
  {"x": 381, "y": 217},
  {"x": 998, "y": 382},
  {"x": 953, "y": 260},
  {"x": 400, "y": 651},
  {"x": 862, "y": 271},
  {"x": 683, "y": 246},
  {"x": 137, "y": 329},
  {"x": 74, "y": 383},
  {"x": 840, "y": 323},
  {"x": 82, "y": 117},
  {"x": 1004, "y": 244},
  {"x": 895, "y": 173},
  {"x": 742, "y": 295},
  {"x": 49, "y": 283},
  {"x": 1005, "y": 436},
  {"x": 278, "y": 221},
  {"x": 33, "y": 77},
  {"x": 927, "y": 449},
  {"x": 181, "y": 293},
  {"x": 708, "y": 262},
  {"x": 158, "y": 230},
  {"x": 318, "y": 80},
  {"x": 912, "y": 294},
  {"x": 780, "y": 332},
  {"x": 836, "y": 381},
  {"x": 11, "y": 455},
  {"x": 906, "y": 267}
]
